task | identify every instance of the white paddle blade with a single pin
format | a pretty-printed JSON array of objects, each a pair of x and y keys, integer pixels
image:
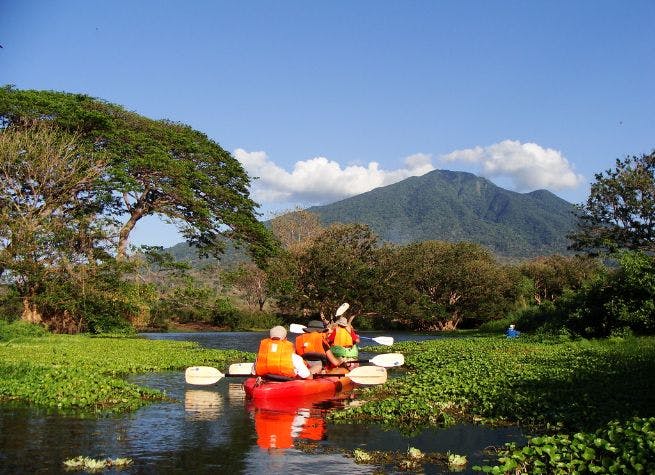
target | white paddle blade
[
  {"x": 368, "y": 375},
  {"x": 296, "y": 328},
  {"x": 342, "y": 309},
  {"x": 383, "y": 340},
  {"x": 388, "y": 360},
  {"x": 202, "y": 375},
  {"x": 241, "y": 369}
]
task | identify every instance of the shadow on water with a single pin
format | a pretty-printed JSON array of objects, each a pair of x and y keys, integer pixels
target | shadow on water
[{"x": 214, "y": 429}]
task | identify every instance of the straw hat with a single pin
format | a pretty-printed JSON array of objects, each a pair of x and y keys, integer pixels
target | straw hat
[{"x": 278, "y": 332}]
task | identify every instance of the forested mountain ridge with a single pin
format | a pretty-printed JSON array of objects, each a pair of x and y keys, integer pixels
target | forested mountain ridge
[
  {"x": 450, "y": 206},
  {"x": 459, "y": 206}
]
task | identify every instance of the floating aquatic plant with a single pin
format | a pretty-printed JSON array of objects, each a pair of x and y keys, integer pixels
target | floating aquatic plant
[
  {"x": 456, "y": 462},
  {"x": 95, "y": 465}
]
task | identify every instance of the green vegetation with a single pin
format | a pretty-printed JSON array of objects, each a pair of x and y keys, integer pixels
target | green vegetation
[
  {"x": 619, "y": 211},
  {"x": 456, "y": 206},
  {"x": 78, "y": 174},
  {"x": 85, "y": 373},
  {"x": 571, "y": 385},
  {"x": 551, "y": 387},
  {"x": 615, "y": 448}
]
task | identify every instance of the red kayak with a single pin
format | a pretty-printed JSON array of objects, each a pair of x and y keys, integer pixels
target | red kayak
[{"x": 327, "y": 386}]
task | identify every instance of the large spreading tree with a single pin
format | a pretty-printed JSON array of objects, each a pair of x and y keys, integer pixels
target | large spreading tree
[{"x": 155, "y": 167}]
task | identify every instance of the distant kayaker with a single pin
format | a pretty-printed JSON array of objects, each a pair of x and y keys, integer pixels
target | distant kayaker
[
  {"x": 343, "y": 340},
  {"x": 277, "y": 357},
  {"x": 511, "y": 332},
  {"x": 314, "y": 347}
]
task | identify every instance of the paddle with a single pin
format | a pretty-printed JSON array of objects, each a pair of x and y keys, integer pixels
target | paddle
[
  {"x": 365, "y": 375},
  {"x": 342, "y": 309},
  {"x": 380, "y": 340},
  {"x": 387, "y": 360}
]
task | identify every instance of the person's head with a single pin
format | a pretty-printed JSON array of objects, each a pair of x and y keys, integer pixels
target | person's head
[
  {"x": 314, "y": 326},
  {"x": 511, "y": 327},
  {"x": 278, "y": 332},
  {"x": 342, "y": 322}
]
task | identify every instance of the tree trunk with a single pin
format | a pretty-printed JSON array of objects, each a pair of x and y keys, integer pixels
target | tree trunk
[
  {"x": 30, "y": 313},
  {"x": 124, "y": 234}
]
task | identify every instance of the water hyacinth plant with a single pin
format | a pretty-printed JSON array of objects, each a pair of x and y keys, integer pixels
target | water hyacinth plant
[
  {"x": 552, "y": 388},
  {"x": 84, "y": 373}
]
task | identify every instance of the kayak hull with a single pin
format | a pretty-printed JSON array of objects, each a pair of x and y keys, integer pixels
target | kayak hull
[{"x": 326, "y": 386}]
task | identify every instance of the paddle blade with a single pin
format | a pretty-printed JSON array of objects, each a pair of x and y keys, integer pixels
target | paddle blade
[
  {"x": 202, "y": 375},
  {"x": 368, "y": 375},
  {"x": 296, "y": 328},
  {"x": 388, "y": 360},
  {"x": 240, "y": 369},
  {"x": 342, "y": 309},
  {"x": 383, "y": 340}
]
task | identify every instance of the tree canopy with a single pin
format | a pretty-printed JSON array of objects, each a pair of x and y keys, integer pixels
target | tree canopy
[
  {"x": 155, "y": 167},
  {"x": 620, "y": 210}
]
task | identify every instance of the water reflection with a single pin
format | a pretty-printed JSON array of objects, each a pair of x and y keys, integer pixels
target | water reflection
[
  {"x": 279, "y": 422},
  {"x": 202, "y": 405}
]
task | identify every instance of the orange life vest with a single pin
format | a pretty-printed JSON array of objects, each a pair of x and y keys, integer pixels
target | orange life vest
[
  {"x": 342, "y": 337},
  {"x": 274, "y": 357},
  {"x": 312, "y": 342}
]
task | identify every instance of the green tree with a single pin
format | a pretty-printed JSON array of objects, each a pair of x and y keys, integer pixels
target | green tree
[
  {"x": 155, "y": 167},
  {"x": 453, "y": 283},
  {"x": 552, "y": 275},
  {"x": 620, "y": 210},
  {"x": 48, "y": 222},
  {"x": 338, "y": 265}
]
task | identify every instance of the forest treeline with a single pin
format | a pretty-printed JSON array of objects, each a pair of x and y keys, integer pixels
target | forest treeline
[{"x": 79, "y": 173}]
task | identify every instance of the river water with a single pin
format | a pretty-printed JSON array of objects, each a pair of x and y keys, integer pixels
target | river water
[{"x": 214, "y": 429}]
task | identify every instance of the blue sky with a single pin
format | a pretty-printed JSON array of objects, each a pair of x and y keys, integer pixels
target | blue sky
[{"x": 323, "y": 100}]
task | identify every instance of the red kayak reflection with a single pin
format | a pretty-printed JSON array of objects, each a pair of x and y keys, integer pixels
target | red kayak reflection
[{"x": 279, "y": 423}]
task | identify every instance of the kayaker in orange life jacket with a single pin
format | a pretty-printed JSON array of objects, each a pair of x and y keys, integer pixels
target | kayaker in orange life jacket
[
  {"x": 314, "y": 347},
  {"x": 343, "y": 334},
  {"x": 277, "y": 357}
]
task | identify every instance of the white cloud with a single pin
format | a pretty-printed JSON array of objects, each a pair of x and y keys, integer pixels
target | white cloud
[
  {"x": 319, "y": 180},
  {"x": 528, "y": 166}
]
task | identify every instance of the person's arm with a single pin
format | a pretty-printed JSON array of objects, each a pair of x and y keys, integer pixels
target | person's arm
[
  {"x": 354, "y": 335},
  {"x": 300, "y": 367},
  {"x": 330, "y": 337},
  {"x": 325, "y": 342}
]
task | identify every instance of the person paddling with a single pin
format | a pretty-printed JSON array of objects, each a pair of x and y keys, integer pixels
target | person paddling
[
  {"x": 277, "y": 359},
  {"x": 314, "y": 347},
  {"x": 343, "y": 340}
]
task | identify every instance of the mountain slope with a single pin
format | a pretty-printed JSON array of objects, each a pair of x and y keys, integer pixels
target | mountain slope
[{"x": 459, "y": 206}]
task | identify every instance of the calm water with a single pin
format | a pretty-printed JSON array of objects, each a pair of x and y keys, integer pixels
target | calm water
[{"x": 215, "y": 430}]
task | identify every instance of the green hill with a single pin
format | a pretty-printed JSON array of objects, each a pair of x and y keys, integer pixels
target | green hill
[
  {"x": 459, "y": 206},
  {"x": 449, "y": 206}
]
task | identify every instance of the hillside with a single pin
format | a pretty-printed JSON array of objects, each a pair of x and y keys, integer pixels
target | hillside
[
  {"x": 450, "y": 206},
  {"x": 459, "y": 206}
]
